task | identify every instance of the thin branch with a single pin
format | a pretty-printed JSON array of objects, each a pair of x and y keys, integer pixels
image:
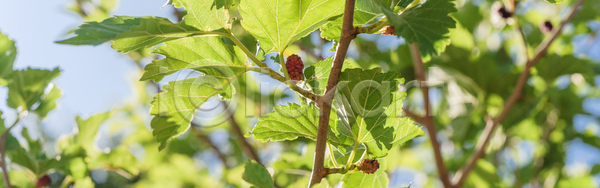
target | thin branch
[
  {"x": 427, "y": 120},
  {"x": 348, "y": 33},
  {"x": 3, "y": 151},
  {"x": 540, "y": 51}
]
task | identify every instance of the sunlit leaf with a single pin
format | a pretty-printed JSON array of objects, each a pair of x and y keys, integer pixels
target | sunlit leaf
[
  {"x": 276, "y": 24},
  {"x": 8, "y": 53},
  {"x": 360, "y": 180}
]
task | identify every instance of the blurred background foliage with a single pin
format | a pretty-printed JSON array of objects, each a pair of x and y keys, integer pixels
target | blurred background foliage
[{"x": 549, "y": 139}]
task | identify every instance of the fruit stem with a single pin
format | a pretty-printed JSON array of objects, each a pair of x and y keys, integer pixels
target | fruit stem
[
  {"x": 352, "y": 154},
  {"x": 283, "y": 67}
]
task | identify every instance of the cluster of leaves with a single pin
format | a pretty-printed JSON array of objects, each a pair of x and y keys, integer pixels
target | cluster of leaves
[
  {"x": 367, "y": 114},
  {"x": 476, "y": 74}
]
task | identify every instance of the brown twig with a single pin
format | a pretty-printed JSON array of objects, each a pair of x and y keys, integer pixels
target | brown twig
[
  {"x": 348, "y": 34},
  {"x": 427, "y": 120},
  {"x": 540, "y": 51}
]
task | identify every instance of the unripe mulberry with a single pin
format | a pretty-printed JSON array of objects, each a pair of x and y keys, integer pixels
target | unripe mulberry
[
  {"x": 294, "y": 67},
  {"x": 43, "y": 181},
  {"x": 389, "y": 30},
  {"x": 546, "y": 27},
  {"x": 504, "y": 13},
  {"x": 368, "y": 166}
]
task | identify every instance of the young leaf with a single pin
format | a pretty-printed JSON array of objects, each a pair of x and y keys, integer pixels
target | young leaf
[
  {"x": 360, "y": 180},
  {"x": 8, "y": 53},
  {"x": 290, "y": 122},
  {"x": 427, "y": 24},
  {"x": 277, "y": 23},
  {"x": 368, "y": 106},
  {"x": 257, "y": 175},
  {"x": 208, "y": 55},
  {"x": 27, "y": 86}
]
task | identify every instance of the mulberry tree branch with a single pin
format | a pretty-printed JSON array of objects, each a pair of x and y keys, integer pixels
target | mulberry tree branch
[
  {"x": 428, "y": 120},
  {"x": 348, "y": 34}
]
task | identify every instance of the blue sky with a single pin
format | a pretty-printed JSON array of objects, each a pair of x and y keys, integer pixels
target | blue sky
[{"x": 93, "y": 79}]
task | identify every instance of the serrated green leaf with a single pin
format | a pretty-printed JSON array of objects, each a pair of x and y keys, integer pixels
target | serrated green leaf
[
  {"x": 369, "y": 107},
  {"x": 88, "y": 128},
  {"x": 290, "y": 122},
  {"x": 318, "y": 74},
  {"x": 365, "y": 12},
  {"x": 27, "y": 86},
  {"x": 152, "y": 31},
  {"x": 208, "y": 55},
  {"x": 96, "y": 33},
  {"x": 378, "y": 179},
  {"x": 426, "y": 24},
  {"x": 257, "y": 175},
  {"x": 24, "y": 159},
  {"x": 277, "y": 23},
  {"x": 206, "y": 15},
  {"x": 8, "y": 53},
  {"x": 48, "y": 102},
  {"x": 174, "y": 108}
]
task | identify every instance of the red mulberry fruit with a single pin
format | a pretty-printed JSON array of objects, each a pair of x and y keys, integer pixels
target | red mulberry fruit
[
  {"x": 368, "y": 166},
  {"x": 43, "y": 181},
  {"x": 389, "y": 30},
  {"x": 294, "y": 67},
  {"x": 546, "y": 27}
]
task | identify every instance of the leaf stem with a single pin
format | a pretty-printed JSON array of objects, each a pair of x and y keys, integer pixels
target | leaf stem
[
  {"x": 246, "y": 51},
  {"x": 283, "y": 67},
  {"x": 331, "y": 156},
  {"x": 352, "y": 154}
]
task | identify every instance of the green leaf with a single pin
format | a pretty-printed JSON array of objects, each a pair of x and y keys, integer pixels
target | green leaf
[
  {"x": 427, "y": 24},
  {"x": 290, "y": 122},
  {"x": 206, "y": 15},
  {"x": 208, "y": 55},
  {"x": 24, "y": 159},
  {"x": 277, "y": 23},
  {"x": 378, "y": 179},
  {"x": 152, "y": 31},
  {"x": 88, "y": 128},
  {"x": 257, "y": 175},
  {"x": 48, "y": 102},
  {"x": 27, "y": 87},
  {"x": 8, "y": 53},
  {"x": 174, "y": 108},
  {"x": 95, "y": 33},
  {"x": 318, "y": 74},
  {"x": 369, "y": 108}
]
